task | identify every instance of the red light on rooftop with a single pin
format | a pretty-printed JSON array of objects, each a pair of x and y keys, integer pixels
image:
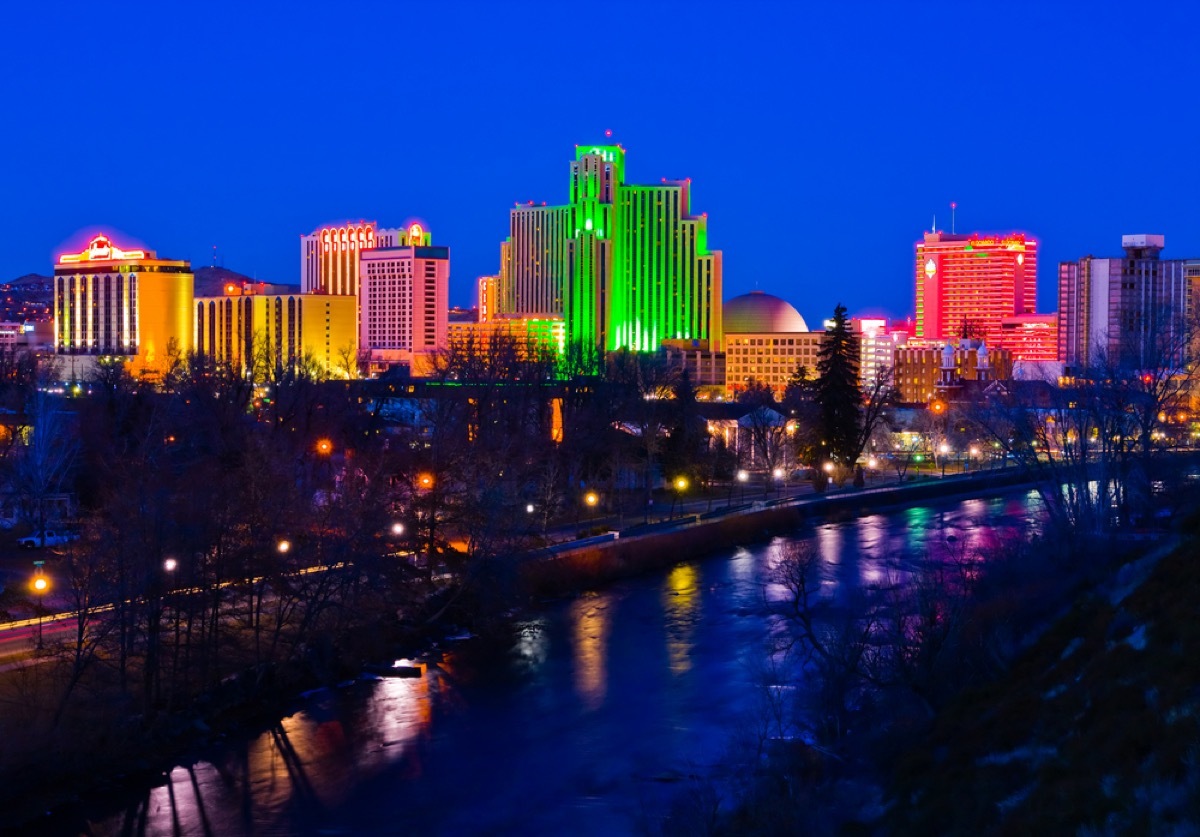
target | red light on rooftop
[{"x": 101, "y": 249}]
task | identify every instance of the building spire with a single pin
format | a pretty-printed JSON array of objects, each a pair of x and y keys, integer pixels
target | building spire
[
  {"x": 934, "y": 223},
  {"x": 953, "y": 206}
]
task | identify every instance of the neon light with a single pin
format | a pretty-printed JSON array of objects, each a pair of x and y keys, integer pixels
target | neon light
[
  {"x": 415, "y": 234},
  {"x": 101, "y": 249}
]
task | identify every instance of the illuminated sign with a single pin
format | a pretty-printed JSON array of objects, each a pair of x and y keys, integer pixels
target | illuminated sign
[
  {"x": 415, "y": 234},
  {"x": 930, "y": 268},
  {"x": 100, "y": 249}
]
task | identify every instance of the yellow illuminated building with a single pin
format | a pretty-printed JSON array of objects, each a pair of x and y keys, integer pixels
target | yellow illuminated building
[
  {"x": 110, "y": 302},
  {"x": 529, "y": 334},
  {"x": 261, "y": 332}
]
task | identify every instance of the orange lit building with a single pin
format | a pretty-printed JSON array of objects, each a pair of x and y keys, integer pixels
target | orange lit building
[
  {"x": 110, "y": 302},
  {"x": 529, "y": 334},
  {"x": 967, "y": 284},
  {"x": 255, "y": 331},
  {"x": 922, "y": 373}
]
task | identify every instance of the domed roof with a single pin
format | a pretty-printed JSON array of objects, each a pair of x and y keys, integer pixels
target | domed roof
[{"x": 758, "y": 312}]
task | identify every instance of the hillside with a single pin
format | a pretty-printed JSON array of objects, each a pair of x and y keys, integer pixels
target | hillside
[
  {"x": 211, "y": 281},
  {"x": 1096, "y": 730}
]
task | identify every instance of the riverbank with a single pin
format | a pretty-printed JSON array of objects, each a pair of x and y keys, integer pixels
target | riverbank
[
  {"x": 255, "y": 700},
  {"x": 602, "y": 560}
]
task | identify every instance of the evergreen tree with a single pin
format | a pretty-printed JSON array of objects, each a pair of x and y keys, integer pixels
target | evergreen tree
[{"x": 837, "y": 394}]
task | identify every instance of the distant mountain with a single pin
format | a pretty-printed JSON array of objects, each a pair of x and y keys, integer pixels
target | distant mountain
[
  {"x": 31, "y": 279},
  {"x": 211, "y": 281}
]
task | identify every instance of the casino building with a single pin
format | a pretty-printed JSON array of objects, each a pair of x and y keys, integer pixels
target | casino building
[{"x": 128, "y": 304}]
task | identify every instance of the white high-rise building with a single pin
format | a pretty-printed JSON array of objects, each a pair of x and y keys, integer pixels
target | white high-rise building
[
  {"x": 404, "y": 300},
  {"x": 329, "y": 256},
  {"x": 1132, "y": 310}
]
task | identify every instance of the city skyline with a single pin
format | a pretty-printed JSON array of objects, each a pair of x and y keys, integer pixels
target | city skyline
[{"x": 801, "y": 153}]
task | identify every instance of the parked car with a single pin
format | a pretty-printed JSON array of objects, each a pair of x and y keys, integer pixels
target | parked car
[{"x": 49, "y": 537}]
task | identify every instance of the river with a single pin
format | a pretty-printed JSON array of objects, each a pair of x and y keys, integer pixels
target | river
[{"x": 605, "y": 711}]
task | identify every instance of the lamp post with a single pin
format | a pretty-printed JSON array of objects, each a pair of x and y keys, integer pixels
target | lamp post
[
  {"x": 681, "y": 484},
  {"x": 170, "y": 565},
  {"x": 40, "y": 586},
  {"x": 742, "y": 476},
  {"x": 944, "y": 450}
]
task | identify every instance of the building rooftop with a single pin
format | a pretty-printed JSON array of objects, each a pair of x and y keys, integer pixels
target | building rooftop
[{"x": 758, "y": 313}]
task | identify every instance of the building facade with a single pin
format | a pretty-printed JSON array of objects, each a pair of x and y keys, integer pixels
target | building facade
[
  {"x": 531, "y": 336},
  {"x": 257, "y": 333},
  {"x": 766, "y": 340},
  {"x": 110, "y": 302},
  {"x": 404, "y": 299},
  {"x": 1030, "y": 337},
  {"x": 922, "y": 373},
  {"x": 967, "y": 284},
  {"x": 627, "y": 266},
  {"x": 1133, "y": 310},
  {"x": 329, "y": 256}
]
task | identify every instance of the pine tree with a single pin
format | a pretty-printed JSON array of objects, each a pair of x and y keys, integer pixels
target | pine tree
[{"x": 838, "y": 396}]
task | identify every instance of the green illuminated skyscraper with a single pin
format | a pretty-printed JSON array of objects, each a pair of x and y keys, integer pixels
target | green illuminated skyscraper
[{"x": 625, "y": 265}]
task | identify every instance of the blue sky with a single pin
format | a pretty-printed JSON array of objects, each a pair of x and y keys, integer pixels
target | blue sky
[{"x": 820, "y": 138}]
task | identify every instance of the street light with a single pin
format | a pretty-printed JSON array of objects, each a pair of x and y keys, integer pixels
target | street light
[
  {"x": 529, "y": 508},
  {"x": 40, "y": 586},
  {"x": 944, "y": 449},
  {"x": 170, "y": 565},
  {"x": 397, "y": 528},
  {"x": 324, "y": 446},
  {"x": 425, "y": 480},
  {"x": 681, "y": 484},
  {"x": 284, "y": 546}
]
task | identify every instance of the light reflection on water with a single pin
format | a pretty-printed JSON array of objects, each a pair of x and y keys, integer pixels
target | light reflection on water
[
  {"x": 589, "y": 614},
  {"x": 679, "y": 605},
  {"x": 603, "y": 707}
]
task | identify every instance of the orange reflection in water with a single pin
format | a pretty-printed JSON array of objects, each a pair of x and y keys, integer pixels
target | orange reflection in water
[
  {"x": 679, "y": 605},
  {"x": 591, "y": 626},
  {"x": 315, "y": 757}
]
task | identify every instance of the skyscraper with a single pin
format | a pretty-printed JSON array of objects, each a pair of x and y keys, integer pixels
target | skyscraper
[
  {"x": 124, "y": 303},
  {"x": 404, "y": 300},
  {"x": 627, "y": 266},
  {"x": 329, "y": 256},
  {"x": 1132, "y": 310},
  {"x": 968, "y": 284}
]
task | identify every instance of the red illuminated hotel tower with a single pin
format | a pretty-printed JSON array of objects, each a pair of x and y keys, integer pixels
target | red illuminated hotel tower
[{"x": 972, "y": 283}]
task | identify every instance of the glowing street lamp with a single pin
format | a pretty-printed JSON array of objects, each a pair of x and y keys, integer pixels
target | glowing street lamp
[
  {"x": 170, "y": 565},
  {"x": 40, "y": 586},
  {"x": 529, "y": 508},
  {"x": 425, "y": 480},
  {"x": 324, "y": 447},
  {"x": 397, "y": 528},
  {"x": 284, "y": 546},
  {"x": 828, "y": 467},
  {"x": 681, "y": 484}
]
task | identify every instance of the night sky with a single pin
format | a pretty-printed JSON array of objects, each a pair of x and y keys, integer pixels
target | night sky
[{"x": 821, "y": 139}]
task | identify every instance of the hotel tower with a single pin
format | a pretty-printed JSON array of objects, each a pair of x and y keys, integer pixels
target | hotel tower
[{"x": 626, "y": 266}]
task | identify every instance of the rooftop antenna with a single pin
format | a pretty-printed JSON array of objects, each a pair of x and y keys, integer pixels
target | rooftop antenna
[
  {"x": 953, "y": 206},
  {"x": 934, "y": 224},
  {"x": 214, "y": 255}
]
